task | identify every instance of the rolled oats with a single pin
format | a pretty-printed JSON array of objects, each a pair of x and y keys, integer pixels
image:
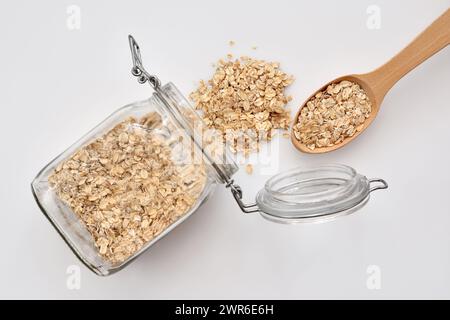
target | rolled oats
[
  {"x": 332, "y": 115},
  {"x": 245, "y": 102},
  {"x": 125, "y": 187}
]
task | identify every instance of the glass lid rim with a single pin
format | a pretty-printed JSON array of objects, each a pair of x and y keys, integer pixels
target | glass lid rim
[
  {"x": 306, "y": 215},
  {"x": 318, "y": 217},
  {"x": 308, "y": 168}
]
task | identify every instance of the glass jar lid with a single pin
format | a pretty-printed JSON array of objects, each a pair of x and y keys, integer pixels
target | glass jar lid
[{"x": 315, "y": 194}]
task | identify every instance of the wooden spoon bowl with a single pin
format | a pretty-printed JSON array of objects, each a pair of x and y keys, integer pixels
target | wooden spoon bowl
[
  {"x": 378, "y": 82},
  {"x": 374, "y": 99}
]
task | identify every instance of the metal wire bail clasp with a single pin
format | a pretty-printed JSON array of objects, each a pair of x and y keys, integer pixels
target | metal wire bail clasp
[
  {"x": 138, "y": 69},
  {"x": 237, "y": 194}
]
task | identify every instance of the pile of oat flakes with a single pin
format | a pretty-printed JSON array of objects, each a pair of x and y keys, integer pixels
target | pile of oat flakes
[
  {"x": 245, "y": 102},
  {"x": 125, "y": 188}
]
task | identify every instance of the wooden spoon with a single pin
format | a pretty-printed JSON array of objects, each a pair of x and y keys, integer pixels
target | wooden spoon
[{"x": 378, "y": 82}]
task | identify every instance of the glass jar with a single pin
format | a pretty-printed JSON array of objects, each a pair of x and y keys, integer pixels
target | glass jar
[{"x": 299, "y": 195}]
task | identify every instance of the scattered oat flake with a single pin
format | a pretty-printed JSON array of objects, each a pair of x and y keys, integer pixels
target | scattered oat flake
[
  {"x": 249, "y": 168},
  {"x": 286, "y": 135},
  {"x": 231, "y": 43},
  {"x": 254, "y": 47}
]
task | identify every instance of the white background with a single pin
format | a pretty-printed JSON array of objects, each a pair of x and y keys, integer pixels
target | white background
[{"x": 58, "y": 83}]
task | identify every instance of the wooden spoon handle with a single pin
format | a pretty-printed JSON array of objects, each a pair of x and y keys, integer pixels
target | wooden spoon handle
[{"x": 430, "y": 41}]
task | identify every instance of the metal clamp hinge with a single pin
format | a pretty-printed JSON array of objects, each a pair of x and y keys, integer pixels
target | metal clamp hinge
[
  {"x": 381, "y": 184},
  {"x": 138, "y": 69},
  {"x": 236, "y": 190}
]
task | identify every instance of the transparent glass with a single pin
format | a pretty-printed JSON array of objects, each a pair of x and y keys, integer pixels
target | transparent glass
[
  {"x": 315, "y": 194},
  {"x": 67, "y": 223}
]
